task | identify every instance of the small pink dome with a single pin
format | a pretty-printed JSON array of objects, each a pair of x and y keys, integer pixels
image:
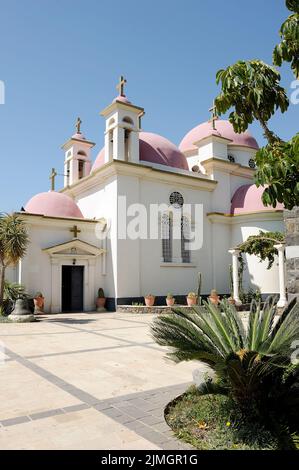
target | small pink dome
[
  {"x": 223, "y": 129},
  {"x": 78, "y": 136},
  {"x": 122, "y": 98},
  {"x": 53, "y": 204},
  {"x": 153, "y": 148},
  {"x": 248, "y": 198}
]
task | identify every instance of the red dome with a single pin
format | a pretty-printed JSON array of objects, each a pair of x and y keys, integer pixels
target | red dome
[
  {"x": 153, "y": 148},
  {"x": 223, "y": 129},
  {"x": 53, "y": 204},
  {"x": 248, "y": 198}
]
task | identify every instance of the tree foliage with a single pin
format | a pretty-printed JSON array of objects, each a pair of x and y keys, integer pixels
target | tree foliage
[
  {"x": 13, "y": 244},
  {"x": 262, "y": 246},
  {"x": 278, "y": 171},
  {"x": 252, "y": 364},
  {"x": 288, "y": 49},
  {"x": 253, "y": 89}
]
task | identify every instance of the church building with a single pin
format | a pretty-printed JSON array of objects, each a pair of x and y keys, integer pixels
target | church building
[{"x": 77, "y": 244}]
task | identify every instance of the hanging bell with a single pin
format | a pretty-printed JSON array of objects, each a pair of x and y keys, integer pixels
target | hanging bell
[{"x": 21, "y": 308}]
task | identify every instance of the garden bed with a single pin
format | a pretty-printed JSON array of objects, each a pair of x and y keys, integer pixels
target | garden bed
[{"x": 213, "y": 422}]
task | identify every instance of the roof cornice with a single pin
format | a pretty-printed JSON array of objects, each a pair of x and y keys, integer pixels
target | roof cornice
[
  {"x": 119, "y": 167},
  {"x": 226, "y": 166},
  {"x": 232, "y": 219}
]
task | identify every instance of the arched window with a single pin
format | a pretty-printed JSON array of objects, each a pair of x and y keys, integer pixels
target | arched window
[
  {"x": 82, "y": 154},
  {"x": 81, "y": 165},
  {"x": 128, "y": 120},
  {"x": 185, "y": 239},
  {"x": 111, "y": 122},
  {"x": 166, "y": 235}
]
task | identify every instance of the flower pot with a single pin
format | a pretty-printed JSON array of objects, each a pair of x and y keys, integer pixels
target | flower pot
[
  {"x": 100, "y": 303},
  {"x": 214, "y": 300},
  {"x": 170, "y": 301},
  {"x": 191, "y": 301},
  {"x": 39, "y": 303},
  {"x": 149, "y": 300}
]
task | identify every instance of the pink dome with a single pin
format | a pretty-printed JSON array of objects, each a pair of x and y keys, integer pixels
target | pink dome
[
  {"x": 122, "y": 98},
  {"x": 223, "y": 129},
  {"x": 248, "y": 198},
  {"x": 78, "y": 136},
  {"x": 53, "y": 204},
  {"x": 153, "y": 148}
]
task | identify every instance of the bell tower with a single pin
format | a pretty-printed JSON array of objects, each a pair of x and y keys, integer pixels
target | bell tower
[
  {"x": 123, "y": 124},
  {"x": 77, "y": 162}
]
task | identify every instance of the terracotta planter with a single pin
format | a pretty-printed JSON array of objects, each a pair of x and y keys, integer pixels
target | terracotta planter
[
  {"x": 100, "y": 302},
  {"x": 39, "y": 303},
  {"x": 191, "y": 301},
  {"x": 149, "y": 300},
  {"x": 170, "y": 301},
  {"x": 214, "y": 300}
]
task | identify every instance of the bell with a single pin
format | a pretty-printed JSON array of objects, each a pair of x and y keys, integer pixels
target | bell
[{"x": 21, "y": 308}]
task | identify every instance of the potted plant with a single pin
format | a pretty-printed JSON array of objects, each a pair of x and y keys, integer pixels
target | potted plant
[
  {"x": 39, "y": 303},
  {"x": 149, "y": 300},
  {"x": 191, "y": 299},
  {"x": 101, "y": 299},
  {"x": 170, "y": 300},
  {"x": 214, "y": 297}
]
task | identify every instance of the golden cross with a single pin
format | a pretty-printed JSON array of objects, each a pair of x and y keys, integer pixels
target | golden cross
[
  {"x": 121, "y": 85},
  {"x": 78, "y": 125},
  {"x": 75, "y": 231},
  {"x": 214, "y": 115},
  {"x": 52, "y": 178}
]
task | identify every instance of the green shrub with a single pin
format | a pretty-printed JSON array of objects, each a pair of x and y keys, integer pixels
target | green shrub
[{"x": 252, "y": 364}]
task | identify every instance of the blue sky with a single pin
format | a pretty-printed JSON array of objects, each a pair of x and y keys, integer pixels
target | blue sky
[{"x": 60, "y": 59}]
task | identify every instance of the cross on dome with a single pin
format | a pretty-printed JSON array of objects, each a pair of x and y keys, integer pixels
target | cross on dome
[
  {"x": 78, "y": 126},
  {"x": 52, "y": 178},
  {"x": 214, "y": 115},
  {"x": 121, "y": 85}
]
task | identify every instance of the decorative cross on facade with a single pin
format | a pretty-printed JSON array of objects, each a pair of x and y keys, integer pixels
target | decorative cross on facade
[
  {"x": 214, "y": 115},
  {"x": 52, "y": 178},
  {"x": 75, "y": 231},
  {"x": 78, "y": 125},
  {"x": 121, "y": 85}
]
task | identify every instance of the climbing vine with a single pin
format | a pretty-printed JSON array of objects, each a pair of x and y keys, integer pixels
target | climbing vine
[{"x": 261, "y": 245}]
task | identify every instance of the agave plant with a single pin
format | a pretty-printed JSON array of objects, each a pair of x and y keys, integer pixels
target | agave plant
[{"x": 252, "y": 364}]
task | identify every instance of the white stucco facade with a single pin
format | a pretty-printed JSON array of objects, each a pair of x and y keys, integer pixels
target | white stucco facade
[{"x": 127, "y": 268}]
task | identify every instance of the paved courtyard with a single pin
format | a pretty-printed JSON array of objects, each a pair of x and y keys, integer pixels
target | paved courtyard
[{"x": 86, "y": 381}]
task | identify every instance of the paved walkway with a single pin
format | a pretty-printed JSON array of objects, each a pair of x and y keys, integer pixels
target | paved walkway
[{"x": 86, "y": 381}]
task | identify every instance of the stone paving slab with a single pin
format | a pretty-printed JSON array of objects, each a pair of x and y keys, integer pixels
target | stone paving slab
[{"x": 99, "y": 372}]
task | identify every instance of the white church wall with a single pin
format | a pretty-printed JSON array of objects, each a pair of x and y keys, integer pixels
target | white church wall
[
  {"x": 212, "y": 148},
  {"x": 241, "y": 154},
  {"x": 157, "y": 277},
  {"x": 11, "y": 274},
  {"x": 256, "y": 274},
  {"x": 102, "y": 202},
  {"x": 221, "y": 259},
  {"x": 36, "y": 268}
]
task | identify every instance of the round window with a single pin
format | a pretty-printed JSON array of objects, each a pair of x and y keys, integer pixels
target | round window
[{"x": 176, "y": 199}]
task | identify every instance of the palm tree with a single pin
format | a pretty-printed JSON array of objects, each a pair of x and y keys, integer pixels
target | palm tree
[
  {"x": 252, "y": 364},
  {"x": 13, "y": 244}
]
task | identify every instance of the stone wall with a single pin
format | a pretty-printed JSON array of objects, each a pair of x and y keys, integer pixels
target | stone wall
[{"x": 291, "y": 219}]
